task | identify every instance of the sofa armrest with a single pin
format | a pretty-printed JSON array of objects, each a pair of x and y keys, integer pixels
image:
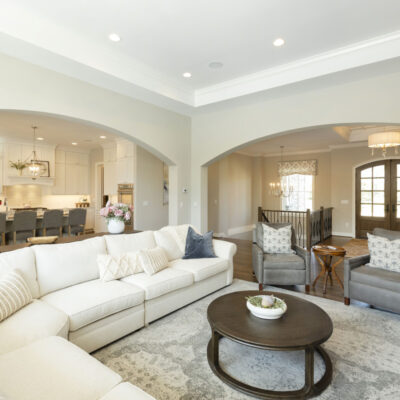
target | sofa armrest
[
  {"x": 258, "y": 262},
  {"x": 225, "y": 250},
  {"x": 306, "y": 256},
  {"x": 349, "y": 265}
]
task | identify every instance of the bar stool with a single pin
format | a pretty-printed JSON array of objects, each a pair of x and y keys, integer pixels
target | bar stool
[
  {"x": 52, "y": 222},
  {"x": 3, "y": 222},
  {"x": 76, "y": 221},
  {"x": 24, "y": 225}
]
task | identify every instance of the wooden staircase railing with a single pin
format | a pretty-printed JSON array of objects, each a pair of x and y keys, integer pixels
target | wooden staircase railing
[{"x": 311, "y": 227}]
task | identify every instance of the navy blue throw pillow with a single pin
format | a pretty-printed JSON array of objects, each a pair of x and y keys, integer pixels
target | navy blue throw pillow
[{"x": 198, "y": 246}]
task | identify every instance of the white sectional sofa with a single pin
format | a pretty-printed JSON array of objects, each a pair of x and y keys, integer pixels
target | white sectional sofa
[{"x": 71, "y": 304}]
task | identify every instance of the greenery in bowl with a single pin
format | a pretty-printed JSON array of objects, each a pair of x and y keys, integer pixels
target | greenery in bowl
[{"x": 257, "y": 302}]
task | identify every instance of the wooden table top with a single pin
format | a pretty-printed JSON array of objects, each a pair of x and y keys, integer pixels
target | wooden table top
[
  {"x": 329, "y": 250},
  {"x": 304, "y": 323}
]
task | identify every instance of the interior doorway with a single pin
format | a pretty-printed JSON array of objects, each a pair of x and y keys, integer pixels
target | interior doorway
[{"x": 377, "y": 196}]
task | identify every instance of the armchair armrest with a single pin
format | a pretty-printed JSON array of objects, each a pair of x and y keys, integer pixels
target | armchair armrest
[
  {"x": 258, "y": 262},
  {"x": 349, "y": 265},
  {"x": 306, "y": 256}
]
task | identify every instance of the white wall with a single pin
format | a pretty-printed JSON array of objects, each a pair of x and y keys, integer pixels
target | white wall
[
  {"x": 218, "y": 130},
  {"x": 150, "y": 213},
  {"x": 164, "y": 133}
]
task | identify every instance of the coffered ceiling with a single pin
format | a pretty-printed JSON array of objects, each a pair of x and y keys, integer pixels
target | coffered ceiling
[{"x": 161, "y": 40}]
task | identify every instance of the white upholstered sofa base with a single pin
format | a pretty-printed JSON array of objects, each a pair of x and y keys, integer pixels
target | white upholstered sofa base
[
  {"x": 163, "y": 305},
  {"x": 100, "y": 333}
]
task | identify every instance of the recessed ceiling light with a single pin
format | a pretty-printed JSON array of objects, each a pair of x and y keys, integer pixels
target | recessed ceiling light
[
  {"x": 114, "y": 37},
  {"x": 215, "y": 65},
  {"x": 187, "y": 75},
  {"x": 103, "y": 137},
  {"x": 278, "y": 42},
  {"x": 39, "y": 138},
  {"x": 74, "y": 144}
]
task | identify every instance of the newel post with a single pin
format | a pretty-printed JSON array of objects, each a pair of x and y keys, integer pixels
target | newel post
[
  {"x": 322, "y": 224},
  {"x": 308, "y": 228},
  {"x": 259, "y": 215}
]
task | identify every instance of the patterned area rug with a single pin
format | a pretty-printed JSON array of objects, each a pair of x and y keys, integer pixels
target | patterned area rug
[
  {"x": 168, "y": 358},
  {"x": 356, "y": 247}
]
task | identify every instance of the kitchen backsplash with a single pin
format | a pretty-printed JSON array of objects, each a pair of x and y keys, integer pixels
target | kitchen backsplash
[{"x": 38, "y": 196}]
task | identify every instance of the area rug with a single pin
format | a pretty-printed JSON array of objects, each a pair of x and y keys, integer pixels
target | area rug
[
  {"x": 168, "y": 358},
  {"x": 356, "y": 247}
]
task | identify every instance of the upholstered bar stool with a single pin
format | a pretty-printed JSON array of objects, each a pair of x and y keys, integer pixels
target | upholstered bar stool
[
  {"x": 3, "y": 221},
  {"x": 76, "y": 221},
  {"x": 24, "y": 225},
  {"x": 52, "y": 222}
]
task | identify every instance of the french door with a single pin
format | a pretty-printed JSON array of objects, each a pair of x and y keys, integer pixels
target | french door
[{"x": 377, "y": 196}]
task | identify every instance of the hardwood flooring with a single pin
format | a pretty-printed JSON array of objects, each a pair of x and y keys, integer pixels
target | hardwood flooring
[{"x": 243, "y": 268}]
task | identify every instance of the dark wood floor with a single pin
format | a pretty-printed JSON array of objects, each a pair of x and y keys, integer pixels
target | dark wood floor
[{"x": 243, "y": 268}]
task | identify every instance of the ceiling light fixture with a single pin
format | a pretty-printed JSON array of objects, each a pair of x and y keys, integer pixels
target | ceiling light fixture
[
  {"x": 103, "y": 137},
  {"x": 39, "y": 138},
  {"x": 215, "y": 65},
  {"x": 34, "y": 165},
  {"x": 187, "y": 75},
  {"x": 74, "y": 144},
  {"x": 384, "y": 140},
  {"x": 114, "y": 37},
  {"x": 278, "y": 42}
]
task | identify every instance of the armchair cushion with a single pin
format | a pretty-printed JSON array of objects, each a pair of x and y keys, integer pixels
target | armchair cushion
[
  {"x": 283, "y": 261},
  {"x": 376, "y": 277},
  {"x": 277, "y": 239}
]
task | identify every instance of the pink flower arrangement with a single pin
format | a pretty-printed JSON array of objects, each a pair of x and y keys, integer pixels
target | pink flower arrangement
[{"x": 119, "y": 211}]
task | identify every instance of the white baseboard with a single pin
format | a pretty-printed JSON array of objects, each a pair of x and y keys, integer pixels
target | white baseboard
[
  {"x": 240, "y": 229},
  {"x": 348, "y": 234}
]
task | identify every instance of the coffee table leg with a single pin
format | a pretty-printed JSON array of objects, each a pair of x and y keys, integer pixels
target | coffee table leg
[
  {"x": 215, "y": 336},
  {"x": 309, "y": 369}
]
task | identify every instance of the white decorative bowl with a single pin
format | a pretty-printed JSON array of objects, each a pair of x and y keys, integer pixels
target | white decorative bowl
[{"x": 267, "y": 313}]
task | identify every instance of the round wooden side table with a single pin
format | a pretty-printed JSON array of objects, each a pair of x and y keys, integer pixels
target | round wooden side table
[{"x": 324, "y": 255}]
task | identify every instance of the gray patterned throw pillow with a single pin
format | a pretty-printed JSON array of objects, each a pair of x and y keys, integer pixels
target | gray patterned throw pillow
[
  {"x": 384, "y": 253},
  {"x": 278, "y": 241}
]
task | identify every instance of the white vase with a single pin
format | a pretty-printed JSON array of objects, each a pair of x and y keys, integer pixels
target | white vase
[{"x": 115, "y": 225}]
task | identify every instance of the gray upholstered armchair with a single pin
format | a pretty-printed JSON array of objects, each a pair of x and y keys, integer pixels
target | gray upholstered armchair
[
  {"x": 375, "y": 286},
  {"x": 280, "y": 269}
]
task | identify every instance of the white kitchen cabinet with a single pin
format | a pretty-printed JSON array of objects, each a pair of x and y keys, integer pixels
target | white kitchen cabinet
[
  {"x": 110, "y": 182},
  {"x": 59, "y": 182}
]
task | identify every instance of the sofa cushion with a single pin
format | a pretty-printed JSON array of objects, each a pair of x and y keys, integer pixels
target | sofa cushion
[
  {"x": 62, "y": 265},
  {"x": 14, "y": 294},
  {"x": 120, "y": 244},
  {"x": 126, "y": 391},
  {"x": 376, "y": 277},
  {"x": 91, "y": 301},
  {"x": 35, "y": 321},
  {"x": 201, "y": 268},
  {"x": 117, "y": 267},
  {"x": 165, "y": 281},
  {"x": 167, "y": 239},
  {"x": 24, "y": 261},
  {"x": 54, "y": 368},
  {"x": 283, "y": 261}
]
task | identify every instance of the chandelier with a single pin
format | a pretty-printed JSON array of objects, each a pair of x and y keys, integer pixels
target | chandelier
[
  {"x": 34, "y": 165},
  {"x": 280, "y": 190},
  {"x": 384, "y": 140}
]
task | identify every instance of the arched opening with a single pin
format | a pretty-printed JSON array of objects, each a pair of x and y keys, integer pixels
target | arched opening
[{"x": 87, "y": 164}]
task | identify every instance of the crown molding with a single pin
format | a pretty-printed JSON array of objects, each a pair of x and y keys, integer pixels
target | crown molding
[{"x": 378, "y": 49}]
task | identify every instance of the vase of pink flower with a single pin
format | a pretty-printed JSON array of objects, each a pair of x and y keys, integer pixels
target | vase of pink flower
[{"x": 116, "y": 215}]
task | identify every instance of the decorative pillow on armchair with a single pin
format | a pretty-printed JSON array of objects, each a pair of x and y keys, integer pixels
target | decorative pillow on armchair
[
  {"x": 277, "y": 240},
  {"x": 384, "y": 253}
]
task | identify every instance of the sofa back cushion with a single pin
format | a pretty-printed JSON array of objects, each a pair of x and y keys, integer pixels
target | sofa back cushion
[
  {"x": 24, "y": 261},
  {"x": 386, "y": 233},
  {"x": 62, "y": 265},
  {"x": 126, "y": 243}
]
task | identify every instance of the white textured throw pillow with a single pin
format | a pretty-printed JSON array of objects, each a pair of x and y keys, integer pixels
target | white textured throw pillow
[
  {"x": 14, "y": 294},
  {"x": 168, "y": 239},
  {"x": 153, "y": 260},
  {"x": 117, "y": 267},
  {"x": 277, "y": 241},
  {"x": 384, "y": 253},
  {"x": 179, "y": 233}
]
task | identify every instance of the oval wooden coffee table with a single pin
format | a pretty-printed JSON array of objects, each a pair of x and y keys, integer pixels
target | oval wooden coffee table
[{"x": 304, "y": 326}]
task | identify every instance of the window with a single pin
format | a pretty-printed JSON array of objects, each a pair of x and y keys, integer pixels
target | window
[
  {"x": 301, "y": 198},
  {"x": 373, "y": 191}
]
